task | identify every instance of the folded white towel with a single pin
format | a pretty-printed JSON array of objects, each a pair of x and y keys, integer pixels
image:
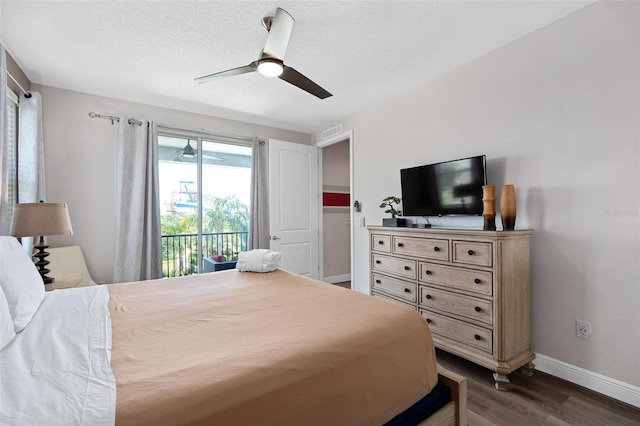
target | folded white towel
[{"x": 258, "y": 260}]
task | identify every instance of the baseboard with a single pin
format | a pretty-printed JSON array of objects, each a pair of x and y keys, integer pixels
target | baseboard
[
  {"x": 597, "y": 382},
  {"x": 337, "y": 279}
]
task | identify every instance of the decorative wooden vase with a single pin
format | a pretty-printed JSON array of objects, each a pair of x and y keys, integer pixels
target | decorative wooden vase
[
  {"x": 508, "y": 207},
  {"x": 489, "y": 207}
]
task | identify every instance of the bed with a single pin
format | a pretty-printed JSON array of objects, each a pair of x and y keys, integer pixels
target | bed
[{"x": 227, "y": 348}]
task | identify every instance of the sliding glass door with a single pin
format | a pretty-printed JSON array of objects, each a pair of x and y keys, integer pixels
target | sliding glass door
[{"x": 204, "y": 201}]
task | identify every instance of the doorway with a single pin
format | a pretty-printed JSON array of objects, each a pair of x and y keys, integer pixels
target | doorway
[
  {"x": 336, "y": 212},
  {"x": 204, "y": 186}
]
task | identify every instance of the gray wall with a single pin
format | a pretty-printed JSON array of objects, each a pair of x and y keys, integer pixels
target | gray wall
[
  {"x": 557, "y": 114},
  {"x": 79, "y": 162}
]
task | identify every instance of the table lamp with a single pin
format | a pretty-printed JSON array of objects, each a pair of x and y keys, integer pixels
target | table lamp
[{"x": 41, "y": 219}]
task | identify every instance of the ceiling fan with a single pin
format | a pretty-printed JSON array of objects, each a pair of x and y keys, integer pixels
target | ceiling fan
[
  {"x": 271, "y": 60},
  {"x": 187, "y": 154}
]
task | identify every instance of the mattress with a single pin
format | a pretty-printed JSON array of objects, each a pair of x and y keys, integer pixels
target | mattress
[{"x": 233, "y": 348}]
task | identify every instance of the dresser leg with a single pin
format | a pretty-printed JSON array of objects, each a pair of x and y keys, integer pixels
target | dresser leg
[
  {"x": 501, "y": 381},
  {"x": 527, "y": 370}
]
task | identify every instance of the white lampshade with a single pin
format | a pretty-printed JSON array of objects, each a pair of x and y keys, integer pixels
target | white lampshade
[{"x": 40, "y": 219}]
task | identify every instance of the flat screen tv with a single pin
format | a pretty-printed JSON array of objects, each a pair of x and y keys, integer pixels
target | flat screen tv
[{"x": 447, "y": 188}]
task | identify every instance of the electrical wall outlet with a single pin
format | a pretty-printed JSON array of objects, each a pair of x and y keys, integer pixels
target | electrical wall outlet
[{"x": 583, "y": 329}]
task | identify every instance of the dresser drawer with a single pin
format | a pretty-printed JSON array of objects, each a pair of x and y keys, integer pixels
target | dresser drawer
[
  {"x": 381, "y": 243},
  {"x": 470, "y": 307},
  {"x": 459, "y": 331},
  {"x": 428, "y": 248},
  {"x": 391, "y": 299},
  {"x": 472, "y": 253},
  {"x": 398, "y": 288},
  {"x": 402, "y": 267},
  {"x": 457, "y": 278}
]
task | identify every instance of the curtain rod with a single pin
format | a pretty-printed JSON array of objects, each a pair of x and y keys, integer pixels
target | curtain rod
[
  {"x": 26, "y": 94},
  {"x": 173, "y": 129},
  {"x": 114, "y": 119}
]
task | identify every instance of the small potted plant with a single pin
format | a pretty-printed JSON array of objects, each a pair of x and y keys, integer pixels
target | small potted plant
[{"x": 388, "y": 205}]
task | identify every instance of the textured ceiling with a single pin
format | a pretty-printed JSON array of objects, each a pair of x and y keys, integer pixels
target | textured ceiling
[{"x": 361, "y": 51}]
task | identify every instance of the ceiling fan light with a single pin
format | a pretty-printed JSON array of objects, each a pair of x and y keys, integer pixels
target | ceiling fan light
[
  {"x": 270, "y": 68},
  {"x": 188, "y": 150}
]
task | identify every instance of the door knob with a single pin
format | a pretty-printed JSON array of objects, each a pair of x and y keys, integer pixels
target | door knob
[{"x": 275, "y": 237}]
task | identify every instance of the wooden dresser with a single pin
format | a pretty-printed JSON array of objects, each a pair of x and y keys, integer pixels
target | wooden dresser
[{"x": 472, "y": 287}]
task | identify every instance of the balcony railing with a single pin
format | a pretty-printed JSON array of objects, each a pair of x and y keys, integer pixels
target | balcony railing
[{"x": 180, "y": 252}]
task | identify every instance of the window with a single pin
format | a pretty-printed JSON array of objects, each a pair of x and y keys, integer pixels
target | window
[
  {"x": 204, "y": 201},
  {"x": 12, "y": 151}
]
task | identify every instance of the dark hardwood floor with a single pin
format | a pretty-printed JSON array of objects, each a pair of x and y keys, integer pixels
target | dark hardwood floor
[
  {"x": 537, "y": 400},
  {"x": 345, "y": 284}
]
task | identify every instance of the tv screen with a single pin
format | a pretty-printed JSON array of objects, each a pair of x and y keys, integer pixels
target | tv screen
[{"x": 447, "y": 188}]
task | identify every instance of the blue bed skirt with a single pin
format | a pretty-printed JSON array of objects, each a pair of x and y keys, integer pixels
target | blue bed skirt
[{"x": 439, "y": 396}]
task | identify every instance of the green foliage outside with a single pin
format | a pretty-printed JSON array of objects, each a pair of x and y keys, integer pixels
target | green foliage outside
[
  {"x": 225, "y": 215},
  {"x": 220, "y": 215}
]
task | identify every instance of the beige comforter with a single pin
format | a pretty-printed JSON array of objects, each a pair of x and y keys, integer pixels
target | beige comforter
[{"x": 232, "y": 348}]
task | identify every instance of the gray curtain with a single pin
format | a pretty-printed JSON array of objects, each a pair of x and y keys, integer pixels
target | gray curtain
[
  {"x": 259, "y": 226},
  {"x": 138, "y": 253},
  {"x": 5, "y": 225}
]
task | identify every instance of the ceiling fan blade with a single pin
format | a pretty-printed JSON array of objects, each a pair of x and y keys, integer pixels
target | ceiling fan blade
[
  {"x": 292, "y": 76},
  {"x": 279, "y": 34},
  {"x": 253, "y": 66}
]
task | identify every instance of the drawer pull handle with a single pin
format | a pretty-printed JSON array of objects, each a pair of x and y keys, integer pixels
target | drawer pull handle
[
  {"x": 471, "y": 252},
  {"x": 428, "y": 272},
  {"x": 400, "y": 245},
  {"x": 477, "y": 281},
  {"x": 428, "y": 296},
  {"x": 378, "y": 262},
  {"x": 428, "y": 321},
  {"x": 378, "y": 281},
  {"x": 478, "y": 308},
  {"x": 406, "y": 290},
  {"x": 380, "y": 242},
  {"x": 477, "y": 337},
  {"x": 436, "y": 248},
  {"x": 406, "y": 268}
]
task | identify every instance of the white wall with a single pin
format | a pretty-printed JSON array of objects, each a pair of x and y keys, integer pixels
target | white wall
[
  {"x": 79, "y": 162},
  {"x": 557, "y": 114}
]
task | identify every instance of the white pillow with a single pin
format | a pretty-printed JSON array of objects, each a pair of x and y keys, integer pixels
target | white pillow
[
  {"x": 6, "y": 323},
  {"x": 20, "y": 281}
]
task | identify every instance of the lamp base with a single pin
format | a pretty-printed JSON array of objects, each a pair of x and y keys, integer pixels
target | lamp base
[{"x": 41, "y": 263}]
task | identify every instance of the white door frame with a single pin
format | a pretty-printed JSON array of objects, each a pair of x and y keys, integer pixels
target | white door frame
[{"x": 344, "y": 136}]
